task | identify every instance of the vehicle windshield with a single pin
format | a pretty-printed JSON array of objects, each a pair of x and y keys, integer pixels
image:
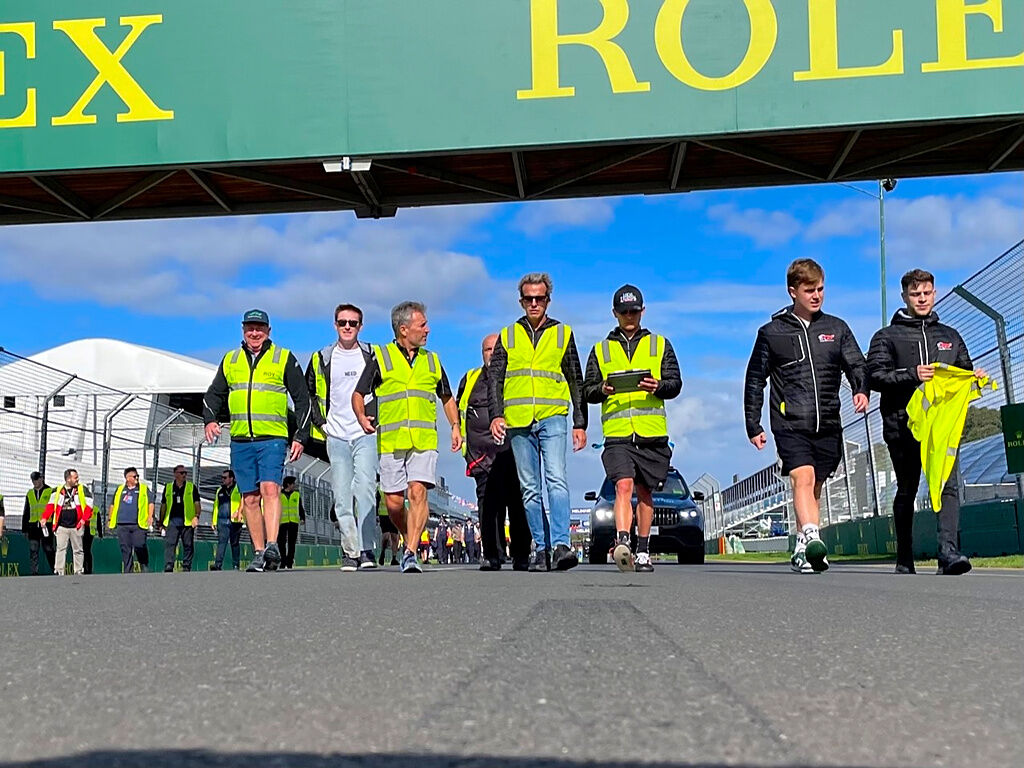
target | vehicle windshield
[{"x": 675, "y": 487}]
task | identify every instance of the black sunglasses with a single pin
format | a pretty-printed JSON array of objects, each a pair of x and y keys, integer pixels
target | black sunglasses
[
  {"x": 534, "y": 299},
  {"x": 349, "y": 323}
]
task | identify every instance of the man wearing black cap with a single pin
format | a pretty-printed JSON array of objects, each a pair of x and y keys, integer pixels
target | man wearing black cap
[
  {"x": 253, "y": 385},
  {"x": 636, "y": 453},
  {"x": 31, "y": 523}
]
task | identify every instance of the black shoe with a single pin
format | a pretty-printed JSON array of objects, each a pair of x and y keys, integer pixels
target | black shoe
[
  {"x": 955, "y": 564},
  {"x": 564, "y": 558},
  {"x": 521, "y": 564},
  {"x": 366, "y": 561},
  {"x": 256, "y": 565},
  {"x": 271, "y": 557},
  {"x": 394, "y": 561},
  {"x": 490, "y": 565},
  {"x": 215, "y": 568},
  {"x": 538, "y": 561},
  {"x": 901, "y": 568}
]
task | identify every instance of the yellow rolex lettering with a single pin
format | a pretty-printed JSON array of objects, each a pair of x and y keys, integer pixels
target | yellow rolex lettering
[
  {"x": 26, "y": 30},
  {"x": 823, "y": 22},
  {"x": 545, "y": 41},
  {"x": 668, "y": 39},
  {"x": 110, "y": 70},
  {"x": 951, "y": 19}
]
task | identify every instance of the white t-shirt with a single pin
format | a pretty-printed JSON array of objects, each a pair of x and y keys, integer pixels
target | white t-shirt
[{"x": 346, "y": 367}]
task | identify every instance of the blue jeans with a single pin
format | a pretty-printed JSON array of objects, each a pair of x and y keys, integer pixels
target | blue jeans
[
  {"x": 544, "y": 441},
  {"x": 354, "y": 479}
]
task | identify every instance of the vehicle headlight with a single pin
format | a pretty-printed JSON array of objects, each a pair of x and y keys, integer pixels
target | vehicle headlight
[{"x": 604, "y": 514}]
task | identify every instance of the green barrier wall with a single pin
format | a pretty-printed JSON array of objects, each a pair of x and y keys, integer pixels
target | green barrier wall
[{"x": 106, "y": 556}]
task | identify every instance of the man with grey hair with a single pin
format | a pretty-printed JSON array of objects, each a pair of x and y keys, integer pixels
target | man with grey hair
[
  {"x": 535, "y": 374},
  {"x": 407, "y": 381}
]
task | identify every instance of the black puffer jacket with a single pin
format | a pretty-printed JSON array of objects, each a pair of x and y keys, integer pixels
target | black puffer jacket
[
  {"x": 805, "y": 367},
  {"x": 893, "y": 357}
]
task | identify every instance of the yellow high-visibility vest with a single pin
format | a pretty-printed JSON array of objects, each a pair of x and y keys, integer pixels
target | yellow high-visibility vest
[
  {"x": 936, "y": 414},
  {"x": 472, "y": 377},
  {"x": 632, "y": 413},
  {"x": 257, "y": 398},
  {"x": 407, "y": 400},
  {"x": 535, "y": 388},
  {"x": 37, "y": 502},
  {"x": 190, "y": 502},
  {"x": 321, "y": 392},
  {"x": 143, "y": 517},
  {"x": 290, "y": 507},
  {"x": 234, "y": 507}
]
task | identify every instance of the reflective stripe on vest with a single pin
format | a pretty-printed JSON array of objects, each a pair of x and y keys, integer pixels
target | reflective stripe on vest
[
  {"x": 633, "y": 413},
  {"x": 190, "y": 502},
  {"x": 143, "y": 517},
  {"x": 234, "y": 509},
  {"x": 406, "y": 400},
  {"x": 290, "y": 507},
  {"x": 321, "y": 392},
  {"x": 37, "y": 505},
  {"x": 472, "y": 377},
  {"x": 257, "y": 398},
  {"x": 534, "y": 385}
]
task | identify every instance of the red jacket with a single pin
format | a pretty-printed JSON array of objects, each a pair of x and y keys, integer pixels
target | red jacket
[{"x": 56, "y": 503}]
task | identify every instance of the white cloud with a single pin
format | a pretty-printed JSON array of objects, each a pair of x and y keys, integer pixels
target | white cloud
[
  {"x": 537, "y": 218},
  {"x": 296, "y": 267},
  {"x": 766, "y": 228}
]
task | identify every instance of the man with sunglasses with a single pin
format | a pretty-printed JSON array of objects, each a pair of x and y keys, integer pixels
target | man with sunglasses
[
  {"x": 534, "y": 376},
  {"x": 331, "y": 377},
  {"x": 179, "y": 512},
  {"x": 636, "y": 453}
]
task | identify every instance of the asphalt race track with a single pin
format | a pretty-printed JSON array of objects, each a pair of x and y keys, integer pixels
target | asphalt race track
[{"x": 711, "y": 665}]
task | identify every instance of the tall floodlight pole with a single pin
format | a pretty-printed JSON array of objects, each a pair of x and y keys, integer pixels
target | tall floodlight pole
[{"x": 881, "y": 245}]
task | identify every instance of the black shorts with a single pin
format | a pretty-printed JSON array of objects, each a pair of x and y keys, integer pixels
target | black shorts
[
  {"x": 646, "y": 464},
  {"x": 823, "y": 451},
  {"x": 386, "y": 525}
]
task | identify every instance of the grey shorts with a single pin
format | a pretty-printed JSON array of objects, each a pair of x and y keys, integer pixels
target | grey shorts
[{"x": 398, "y": 469}]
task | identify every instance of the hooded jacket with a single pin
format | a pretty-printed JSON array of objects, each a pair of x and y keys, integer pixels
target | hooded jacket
[
  {"x": 805, "y": 366},
  {"x": 896, "y": 351}
]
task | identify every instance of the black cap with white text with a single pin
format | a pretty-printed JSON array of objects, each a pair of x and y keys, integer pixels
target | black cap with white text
[{"x": 628, "y": 299}]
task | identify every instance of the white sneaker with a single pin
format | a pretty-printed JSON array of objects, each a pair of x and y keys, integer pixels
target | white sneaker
[
  {"x": 623, "y": 557},
  {"x": 643, "y": 563},
  {"x": 798, "y": 562}
]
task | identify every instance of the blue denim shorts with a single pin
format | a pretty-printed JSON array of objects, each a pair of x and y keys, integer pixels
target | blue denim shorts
[{"x": 258, "y": 461}]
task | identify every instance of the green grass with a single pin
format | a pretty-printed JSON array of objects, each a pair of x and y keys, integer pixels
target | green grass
[{"x": 1010, "y": 561}]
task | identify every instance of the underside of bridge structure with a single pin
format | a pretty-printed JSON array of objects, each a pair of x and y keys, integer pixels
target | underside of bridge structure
[{"x": 649, "y": 167}]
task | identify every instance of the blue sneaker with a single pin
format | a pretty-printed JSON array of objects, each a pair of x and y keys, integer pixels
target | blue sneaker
[{"x": 410, "y": 564}]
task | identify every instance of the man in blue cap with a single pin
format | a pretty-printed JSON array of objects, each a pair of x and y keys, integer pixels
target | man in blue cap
[{"x": 253, "y": 385}]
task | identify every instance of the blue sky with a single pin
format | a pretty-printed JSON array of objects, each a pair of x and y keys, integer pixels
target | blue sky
[{"x": 711, "y": 266}]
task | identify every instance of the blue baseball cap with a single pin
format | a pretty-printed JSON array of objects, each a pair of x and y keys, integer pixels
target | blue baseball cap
[{"x": 256, "y": 316}]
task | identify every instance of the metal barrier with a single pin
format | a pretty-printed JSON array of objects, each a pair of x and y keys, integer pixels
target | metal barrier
[{"x": 988, "y": 311}]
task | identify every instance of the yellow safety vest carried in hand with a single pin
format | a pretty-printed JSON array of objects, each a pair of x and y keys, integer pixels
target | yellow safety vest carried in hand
[
  {"x": 407, "y": 400},
  {"x": 36, "y": 504},
  {"x": 257, "y": 398},
  {"x": 633, "y": 413},
  {"x": 472, "y": 377},
  {"x": 535, "y": 388},
  {"x": 143, "y": 517},
  {"x": 190, "y": 502},
  {"x": 321, "y": 392},
  {"x": 290, "y": 507},
  {"x": 234, "y": 507},
  {"x": 936, "y": 414}
]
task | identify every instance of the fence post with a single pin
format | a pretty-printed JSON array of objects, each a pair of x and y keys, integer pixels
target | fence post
[
  {"x": 846, "y": 479},
  {"x": 107, "y": 438},
  {"x": 44, "y": 425},
  {"x": 871, "y": 467},
  {"x": 156, "y": 444}
]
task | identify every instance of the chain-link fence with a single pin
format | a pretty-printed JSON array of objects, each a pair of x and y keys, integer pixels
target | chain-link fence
[
  {"x": 988, "y": 311},
  {"x": 52, "y": 420}
]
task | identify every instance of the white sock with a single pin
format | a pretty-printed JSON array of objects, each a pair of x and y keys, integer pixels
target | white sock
[
  {"x": 810, "y": 532},
  {"x": 801, "y": 542}
]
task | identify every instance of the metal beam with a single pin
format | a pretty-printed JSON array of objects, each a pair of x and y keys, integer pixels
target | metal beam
[
  {"x": 604, "y": 164},
  {"x": 1006, "y": 148},
  {"x": 64, "y": 195},
  {"x": 519, "y": 165},
  {"x": 456, "y": 179},
  {"x": 764, "y": 157},
  {"x": 367, "y": 188},
  {"x": 204, "y": 181},
  {"x": 132, "y": 192},
  {"x": 922, "y": 148},
  {"x": 35, "y": 206},
  {"x": 282, "y": 182},
  {"x": 844, "y": 153},
  {"x": 678, "y": 158}
]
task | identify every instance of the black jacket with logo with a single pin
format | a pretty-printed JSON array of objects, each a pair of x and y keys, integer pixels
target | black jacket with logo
[
  {"x": 670, "y": 385},
  {"x": 805, "y": 366},
  {"x": 893, "y": 357}
]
